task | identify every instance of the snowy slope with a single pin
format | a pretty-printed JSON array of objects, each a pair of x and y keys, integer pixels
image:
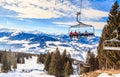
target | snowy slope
[
  {"x": 31, "y": 69},
  {"x": 37, "y": 42}
]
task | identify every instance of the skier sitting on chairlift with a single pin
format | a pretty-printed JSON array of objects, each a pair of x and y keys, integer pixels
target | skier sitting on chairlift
[
  {"x": 75, "y": 34},
  {"x": 79, "y": 34},
  {"x": 71, "y": 34},
  {"x": 86, "y": 33}
]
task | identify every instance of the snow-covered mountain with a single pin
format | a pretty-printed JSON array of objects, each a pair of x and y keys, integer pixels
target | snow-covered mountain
[{"x": 37, "y": 42}]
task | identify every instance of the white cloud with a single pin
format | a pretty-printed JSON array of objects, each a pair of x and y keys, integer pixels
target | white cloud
[
  {"x": 97, "y": 25},
  {"x": 25, "y": 9},
  {"x": 49, "y": 9},
  {"x": 88, "y": 14},
  {"x": 37, "y": 8}
]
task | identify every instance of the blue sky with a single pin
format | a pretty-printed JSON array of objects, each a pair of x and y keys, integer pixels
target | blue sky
[{"x": 52, "y": 16}]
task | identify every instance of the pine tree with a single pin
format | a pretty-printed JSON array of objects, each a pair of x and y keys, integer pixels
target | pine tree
[
  {"x": 55, "y": 65},
  {"x": 14, "y": 62},
  {"x": 47, "y": 61},
  {"x": 92, "y": 61},
  {"x": 52, "y": 66},
  {"x": 58, "y": 63},
  {"x": 15, "y": 66},
  {"x": 107, "y": 58},
  {"x": 42, "y": 58},
  {"x": 63, "y": 61},
  {"x": 1, "y": 57},
  {"x": 88, "y": 56},
  {"x": 63, "y": 56},
  {"x": 6, "y": 64},
  {"x": 96, "y": 63},
  {"x": 68, "y": 69},
  {"x": 18, "y": 59}
]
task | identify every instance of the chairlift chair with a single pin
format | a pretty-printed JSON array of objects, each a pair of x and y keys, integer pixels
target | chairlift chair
[
  {"x": 80, "y": 26},
  {"x": 108, "y": 44}
]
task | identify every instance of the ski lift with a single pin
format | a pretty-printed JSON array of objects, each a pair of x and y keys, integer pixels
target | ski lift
[
  {"x": 77, "y": 28},
  {"x": 108, "y": 44}
]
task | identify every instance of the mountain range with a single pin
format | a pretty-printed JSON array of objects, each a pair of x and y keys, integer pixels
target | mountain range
[{"x": 38, "y": 42}]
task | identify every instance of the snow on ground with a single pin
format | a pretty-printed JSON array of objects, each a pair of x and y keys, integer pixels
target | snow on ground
[
  {"x": 32, "y": 69},
  {"x": 29, "y": 69},
  {"x": 107, "y": 75}
]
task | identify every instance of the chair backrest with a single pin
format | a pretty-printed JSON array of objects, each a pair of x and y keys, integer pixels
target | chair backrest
[{"x": 110, "y": 47}]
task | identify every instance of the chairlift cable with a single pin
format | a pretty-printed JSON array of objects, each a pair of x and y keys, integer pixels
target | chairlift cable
[
  {"x": 80, "y": 9},
  {"x": 78, "y": 18}
]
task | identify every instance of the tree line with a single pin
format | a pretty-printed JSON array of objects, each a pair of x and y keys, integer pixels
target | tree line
[
  {"x": 57, "y": 64},
  {"x": 9, "y": 60}
]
